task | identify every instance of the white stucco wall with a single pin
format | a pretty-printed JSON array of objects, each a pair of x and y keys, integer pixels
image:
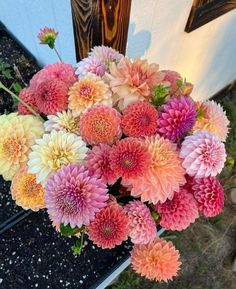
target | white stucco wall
[
  {"x": 24, "y": 18},
  {"x": 206, "y": 56}
]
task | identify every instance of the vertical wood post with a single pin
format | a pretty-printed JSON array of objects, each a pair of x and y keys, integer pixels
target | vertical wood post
[{"x": 100, "y": 22}]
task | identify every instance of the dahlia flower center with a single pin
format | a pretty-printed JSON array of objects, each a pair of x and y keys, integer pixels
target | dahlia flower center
[
  {"x": 59, "y": 159},
  {"x": 85, "y": 92},
  {"x": 101, "y": 126},
  {"x": 108, "y": 229},
  {"x": 144, "y": 120},
  {"x": 12, "y": 147},
  {"x": 127, "y": 161},
  {"x": 71, "y": 200},
  {"x": 28, "y": 185}
]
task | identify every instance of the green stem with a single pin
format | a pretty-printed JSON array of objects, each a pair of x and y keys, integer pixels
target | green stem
[
  {"x": 57, "y": 53},
  {"x": 21, "y": 101}
]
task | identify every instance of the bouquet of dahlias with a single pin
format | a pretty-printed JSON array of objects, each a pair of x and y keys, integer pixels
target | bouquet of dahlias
[{"x": 111, "y": 149}]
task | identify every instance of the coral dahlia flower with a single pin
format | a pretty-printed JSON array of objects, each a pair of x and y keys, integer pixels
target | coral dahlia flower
[
  {"x": 142, "y": 227},
  {"x": 18, "y": 134},
  {"x": 178, "y": 213},
  {"x": 26, "y": 192},
  {"x": 203, "y": 154},
  {"x": 47, "y": 36},
  {"x": 54, "y": 151},
  {"x": 110, "y": 227},
  {"x": 73, "y": 196},
  {"x": 88, "y": 91},
  {"x": 139, "y": 119},
  {"x": 133, "y": 81},
  {"x": 164, "y": 176},
  {"x": 100, "y": 124},
  {"x": 28, "y": 96},
  {"x": 51, "y": 96},
  {"x": 157, "y": 260}
]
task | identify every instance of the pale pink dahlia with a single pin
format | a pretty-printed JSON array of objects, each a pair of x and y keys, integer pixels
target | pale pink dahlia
[
  {"x": 28, "y": 96},
  {"x": 110, "y": 227},
  {"x": 129, "y": 158},
  {"x": 59, "y": 70},
  {"x": 172, "y": 78},
  {"x": 209, "y": 194},
  {"x": 178, "y": 213},
  {"x": 142, "y": 227},
  {"x": 133, "y": 81},
  {"x": 73, "y": 196},
  {"x": 204, "y": 154},
  {"x": 90, "y": 65},
  {"x": 139, "y": 119},
  {"x": 212, "y": 118},
  {"x": 51, "y": 96},
  {"x": 106, "y": 54},
  {"x": 98, "y": 162},
  {"x": 158, "y": 260},
  {"x": 100, "y": 124},
  {"x": 176, "y": 118},
  {"x": 164, "y": 176}
]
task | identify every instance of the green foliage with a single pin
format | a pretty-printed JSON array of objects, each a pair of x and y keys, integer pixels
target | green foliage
[
  {"x": 67, "y": 231},
  {"x": 5, "y": 70},
  {"x": 127, "y": 280},
  {"x": 160, "y": 93}
]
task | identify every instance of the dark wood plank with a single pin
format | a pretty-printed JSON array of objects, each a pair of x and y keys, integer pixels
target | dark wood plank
[
  {"x": 100, "y": 22},
  {"x": 204, "y": 11}
]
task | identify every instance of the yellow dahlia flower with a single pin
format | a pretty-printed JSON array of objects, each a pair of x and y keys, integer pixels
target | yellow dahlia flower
[
  {"x": 26, "y": 192},
  {"x": 54, "y": 151},
  {"x": 62, "y": 121},
  {"x": 88, "y": 91},
  {"x": 17, "y": 135}
]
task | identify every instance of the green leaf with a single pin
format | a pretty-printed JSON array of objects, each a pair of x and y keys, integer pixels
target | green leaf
[
  {"x": 68, "y": 231},
  {"x": 7, "y": 73},
  {"x": 229, "y": 163},
  {"x": 155, "y": 216},
  {"x": 78, "y": 246},
  {"x": 17, "y": 87},
  {"x": 179, "y": 83},
  {"x": 160, "y": 93}
]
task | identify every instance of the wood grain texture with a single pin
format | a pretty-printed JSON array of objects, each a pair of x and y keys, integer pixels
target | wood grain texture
[
  {"x": 204, "y": 11},
  {"x": 100, "y": 22}
]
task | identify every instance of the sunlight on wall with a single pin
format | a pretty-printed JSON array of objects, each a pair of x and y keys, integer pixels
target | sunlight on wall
[{"x": 206, "y": 56}]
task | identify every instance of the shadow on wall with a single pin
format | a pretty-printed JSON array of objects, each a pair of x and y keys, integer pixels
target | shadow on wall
[{"x": 138, "y": 43}]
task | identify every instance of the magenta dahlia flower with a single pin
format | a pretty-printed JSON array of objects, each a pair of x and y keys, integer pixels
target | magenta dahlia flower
[
  {"x": 129, "y": 158},
  {"x": 110, "y": 227},
  {"x": 178, "y": 213},
  {"x": 203, "y": 154},
  {"x": 142, "y": 227},
  {"x": 90, "y": 65},
  {"x": 59, "y": 70},
  {"x": 98, "y": 162},
  {"x": 73, "y": 196},
  {"x": 176, "y": 118},
  {"x": 139, "y": 119},
  {"x": 51, "y": 96},
  {"x": 209, "y": 194}
]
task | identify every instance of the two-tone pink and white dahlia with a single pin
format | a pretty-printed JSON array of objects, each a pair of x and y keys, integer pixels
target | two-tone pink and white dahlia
[
  {"x": 90, "y": 65},
  {"x": 209, "y": 194},
  {"x": 203, "y": 154},
  {"x": 178, "y": 213},
  {"x": 73, "y": 196},
  {"x": 142, "y": 227}
]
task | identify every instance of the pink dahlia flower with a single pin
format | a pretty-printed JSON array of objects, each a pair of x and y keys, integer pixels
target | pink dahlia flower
[
  {"x": 106, "y": 55},
  {"x": 90, "y": 65},
  {"x": 60, "y": 71},
  {"x": 203, "y": 155},
  {"x": 212, "y": 118},
  {"x": 158, "y": 260},
  {"x": 178, "y": 213},
  {"x": 98, "y": 162},
  {"x": 142, "y": 228},
  {"x": 171, "y": 78},
  {"x": 51, "y": 96},
  {"x": 100, "y": 124},
  {"x": 110, "y": 227},
  {"x": 209, "y": 194},
  {"x": 133, "y": 81},
  {"x": 176, "y": 118},
  {"x": 129, "y": 158},
  {"x": 28, "y": 96},
  {"x": 139, "y": 119},
  {"x": 163, "y": 177},
  {"x": 73, "y": 196}
]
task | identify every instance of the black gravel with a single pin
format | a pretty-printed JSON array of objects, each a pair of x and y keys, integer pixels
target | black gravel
[{"x": 34, "y": 255}]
